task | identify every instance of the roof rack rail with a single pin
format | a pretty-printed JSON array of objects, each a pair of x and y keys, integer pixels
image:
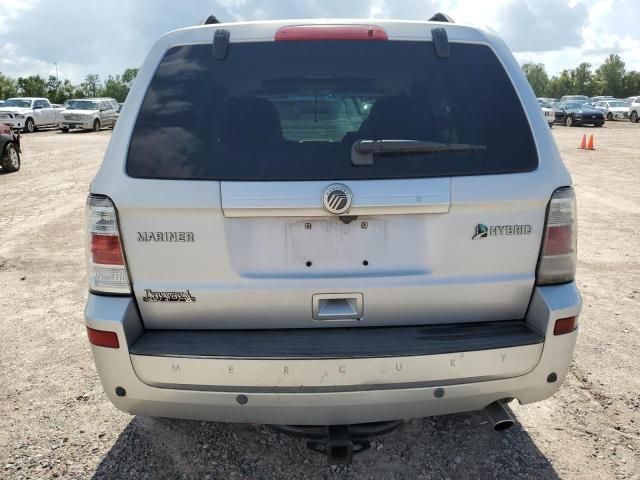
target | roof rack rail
[
  {"x": 441, "y": 17},
  {"x": 210, "y": 20}
]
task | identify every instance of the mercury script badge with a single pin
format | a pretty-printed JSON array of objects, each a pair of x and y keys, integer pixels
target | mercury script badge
[{"x": 336, "y": 199}]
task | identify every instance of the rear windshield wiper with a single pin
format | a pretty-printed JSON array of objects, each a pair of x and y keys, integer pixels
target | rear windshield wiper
[{"x": 363, "y": 151}]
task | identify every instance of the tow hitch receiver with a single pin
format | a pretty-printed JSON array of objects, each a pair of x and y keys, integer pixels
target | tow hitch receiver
[{"x": 339, "y": 442}]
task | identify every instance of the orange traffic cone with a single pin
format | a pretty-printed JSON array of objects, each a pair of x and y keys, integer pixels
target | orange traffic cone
[
  {"x": 583, "y": 144},
  {"x": 590, "y": 145}
]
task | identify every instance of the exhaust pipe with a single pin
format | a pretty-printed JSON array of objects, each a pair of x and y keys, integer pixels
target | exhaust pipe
[{"x": 498, "y": 415}]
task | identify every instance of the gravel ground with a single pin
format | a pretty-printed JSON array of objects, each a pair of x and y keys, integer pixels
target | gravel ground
[{"x": 55, "y": 421}]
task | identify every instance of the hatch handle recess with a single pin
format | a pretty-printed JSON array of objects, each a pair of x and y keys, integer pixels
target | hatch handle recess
[
  {"x": 220, "y": 43},
  {"x": 440, "y": 42},
  {"x": 337, "y": 306}
]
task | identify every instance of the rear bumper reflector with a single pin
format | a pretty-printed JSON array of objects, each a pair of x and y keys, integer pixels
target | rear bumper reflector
[
  {"x": 101, "y": 338},
  {"x": 565, "y": 325}
]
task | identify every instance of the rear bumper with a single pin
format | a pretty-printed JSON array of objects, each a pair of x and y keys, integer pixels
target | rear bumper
[
  {"x": 440, "y": 390},
  {"x": 589, "y": 121},
  {"x": 74, "y": 125},
  {"x": 71, "y": 124}
]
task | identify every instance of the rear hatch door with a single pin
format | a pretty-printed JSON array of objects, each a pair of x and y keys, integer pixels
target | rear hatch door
[{"x": 234, "y": 161}]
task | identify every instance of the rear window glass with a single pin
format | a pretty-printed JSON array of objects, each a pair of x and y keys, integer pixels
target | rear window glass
[{"x": 293, "y": 110}]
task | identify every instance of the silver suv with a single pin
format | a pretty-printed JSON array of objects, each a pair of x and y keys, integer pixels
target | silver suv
[
  {"x": 89, "y": 114},
  {"x": 312, "y": 223}
]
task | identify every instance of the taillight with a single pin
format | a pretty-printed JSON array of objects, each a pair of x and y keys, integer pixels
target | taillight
[
  {"x": 102, "y": 338},
  {"x": 559, "y": 246},
  {"x": 106, "y": 268}
]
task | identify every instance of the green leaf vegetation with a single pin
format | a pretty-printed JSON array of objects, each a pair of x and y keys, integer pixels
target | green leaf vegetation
[
  {"x": 611, "y": 78},
  {"x": 57, "y": 91}
]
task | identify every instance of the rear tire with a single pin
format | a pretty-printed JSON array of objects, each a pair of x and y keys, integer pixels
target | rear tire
[
  {"x": 29, "y": 126},
  {"x": 609, "y": 116},
  {"x": 96, "y": 125},
  {"x": 568, "y": 121},
  {"x": 10, "y": 158},
  {"x": 551, "y": 125},
  {"x": 598, "y": 124},
  {"x": 65, "y": 129},
  {"x": 634, "y": 117}
]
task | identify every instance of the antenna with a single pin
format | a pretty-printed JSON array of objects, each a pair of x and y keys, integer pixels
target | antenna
[
  {"x": 210, "y": 20},
  {"x": 441, "y": 17}
]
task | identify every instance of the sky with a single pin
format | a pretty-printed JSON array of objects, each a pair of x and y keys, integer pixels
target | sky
[{"x": 108, "y": 36}]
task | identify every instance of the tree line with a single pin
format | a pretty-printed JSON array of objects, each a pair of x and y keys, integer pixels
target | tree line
[
  {"x": 611, "y": 78},
  {"x": 57, "y": 91}
]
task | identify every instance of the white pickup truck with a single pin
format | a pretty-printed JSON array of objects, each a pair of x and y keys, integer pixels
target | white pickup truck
[{"x": 29, "y": 113}]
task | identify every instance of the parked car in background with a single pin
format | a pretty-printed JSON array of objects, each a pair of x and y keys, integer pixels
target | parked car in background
[
  {"x": 1, "y": 102},
  {"x": 634, "y": 110},
  {"x": 630, "y": 100},
  {"x": 575, "y": 98},
  {"x": 603, "y": 108},
  {"x": 29, "y": 113},
  {"x": 549, "y": 115},
  {"x": 9, "y": 148},
  {"x": 600, "y": 98},
  {"x": 546, "y": 101},
  {"x": 118, "y": 107},
  {"x": 613, "y": 109},
  {"x": 89, "y": 114},
  {"x": 578, "y": 113},
  {"x": 66, "y": 104}
]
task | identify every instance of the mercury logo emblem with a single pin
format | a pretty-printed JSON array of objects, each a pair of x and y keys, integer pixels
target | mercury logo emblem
[{"x": 336, "y": 199}]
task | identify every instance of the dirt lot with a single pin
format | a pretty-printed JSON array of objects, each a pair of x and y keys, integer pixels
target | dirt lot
[{"x": 55, "y": 421}]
